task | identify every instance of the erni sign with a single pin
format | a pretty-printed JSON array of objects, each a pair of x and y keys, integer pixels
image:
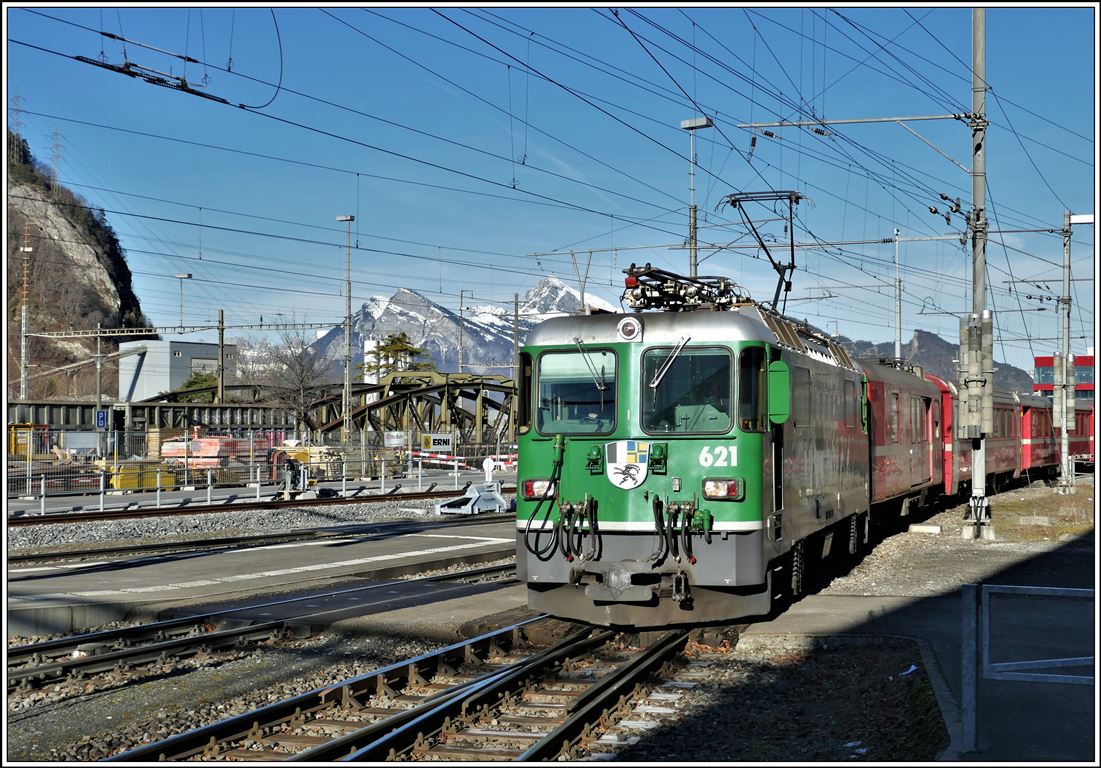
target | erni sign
[{"x": 436, "y": 442}]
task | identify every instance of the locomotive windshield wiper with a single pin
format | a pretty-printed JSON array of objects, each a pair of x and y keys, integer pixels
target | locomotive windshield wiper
[
  {"x": 598, "y": 379},
  {"x": 668, "y": 362}
]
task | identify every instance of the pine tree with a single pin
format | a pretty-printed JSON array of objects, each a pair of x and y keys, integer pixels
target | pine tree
[{"x": 396, "y": 353}]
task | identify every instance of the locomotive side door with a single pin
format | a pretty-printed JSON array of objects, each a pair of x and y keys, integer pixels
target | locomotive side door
[{"x": 779, "y": 416}]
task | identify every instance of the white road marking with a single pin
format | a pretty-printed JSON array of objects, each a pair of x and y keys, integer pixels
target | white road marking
[
  {"x": 323, "y": 542},
  {"x": 477, "y": 542},
  {"x": 17, "y": 571}
]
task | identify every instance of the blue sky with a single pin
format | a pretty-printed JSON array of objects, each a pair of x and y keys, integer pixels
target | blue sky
[{"x": 464, "y": 140}]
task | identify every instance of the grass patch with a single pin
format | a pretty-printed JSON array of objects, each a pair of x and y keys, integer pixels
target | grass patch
[{"x": 927, "y": 735}]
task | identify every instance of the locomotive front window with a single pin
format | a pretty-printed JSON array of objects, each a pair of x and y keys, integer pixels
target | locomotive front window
[
  {"x": 576, "y": 392},
  {"x": 692, "y": 394}
]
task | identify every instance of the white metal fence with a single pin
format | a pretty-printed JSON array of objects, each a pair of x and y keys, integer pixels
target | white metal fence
[
  {"x": 977, "y": 653},
  {"x": 46, "y": 462}
]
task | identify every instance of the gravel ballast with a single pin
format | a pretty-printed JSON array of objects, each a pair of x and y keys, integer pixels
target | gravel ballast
[{"x": 176, "y": 527}]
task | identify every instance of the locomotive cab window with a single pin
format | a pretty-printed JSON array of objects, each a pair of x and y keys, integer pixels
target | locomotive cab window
[
  {"x": 751, "y": 388},
  {"x": 686, "y": 390},
  {"x": 576, "y": 392},
  {"x": 523, "y": 410}
]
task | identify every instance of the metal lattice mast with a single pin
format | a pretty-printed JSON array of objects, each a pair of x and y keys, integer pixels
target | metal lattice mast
[
  {"x": 25, "y": 250},
  {"x": 55, "y": 162},
  {"x": 15, "y": 117}
]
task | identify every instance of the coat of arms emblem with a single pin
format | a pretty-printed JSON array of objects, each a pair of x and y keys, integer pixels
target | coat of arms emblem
[{"x": 627, "y": 461}]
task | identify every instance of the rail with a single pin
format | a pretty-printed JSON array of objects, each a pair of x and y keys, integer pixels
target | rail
[
  {"x": 39, "y": 664},
  {"x": 230, "y": 504},
  {"x": 215, "y": 739}
]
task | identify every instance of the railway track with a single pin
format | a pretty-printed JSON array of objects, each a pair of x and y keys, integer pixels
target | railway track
[
  {"x": 77, "y": 657},
  {"x": 536, "y": 690},
  {"x": 258, "y": 540},
  {"x": 226, "y": 506}
]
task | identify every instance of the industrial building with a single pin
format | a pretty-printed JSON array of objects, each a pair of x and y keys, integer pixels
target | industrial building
[
  {"x": 156, "y": 367},
  {"x": 1082, "y": 373}
]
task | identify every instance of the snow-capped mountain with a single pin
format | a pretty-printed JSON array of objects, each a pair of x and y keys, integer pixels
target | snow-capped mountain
[
  {"x": 553, "y": 297},
  {"x": 487, "y": 330}
]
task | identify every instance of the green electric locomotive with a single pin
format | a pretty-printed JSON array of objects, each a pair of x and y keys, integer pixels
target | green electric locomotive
[{"x": 679, "y": 466}]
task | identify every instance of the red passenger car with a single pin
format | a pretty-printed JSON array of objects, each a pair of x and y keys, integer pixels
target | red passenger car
[
  {"x": 905, "y": 430},
  {"x": 1081, "y": 438},
  {"x": 951, "y": 469},
  {"x": 1039, "y": 445},
  {"x": 1003, "y": 445}
]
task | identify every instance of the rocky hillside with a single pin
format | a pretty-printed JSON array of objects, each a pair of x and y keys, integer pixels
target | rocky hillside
[
  {"x": 937, "y": 356},
  {"x": 77, "y": 277}
]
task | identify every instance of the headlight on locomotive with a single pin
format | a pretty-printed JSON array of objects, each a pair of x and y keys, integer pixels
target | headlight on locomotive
[
  {"x": 724, "y": 489},
  {"x": 537, "y": 489}
]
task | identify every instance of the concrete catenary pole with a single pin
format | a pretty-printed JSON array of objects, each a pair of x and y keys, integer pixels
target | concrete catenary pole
[
  {"x": 980, "y": 378},
  {"x": 1064, "y": 418}
]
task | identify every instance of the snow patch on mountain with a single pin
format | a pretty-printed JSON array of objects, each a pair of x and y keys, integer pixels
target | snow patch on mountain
[
  {"x": 377, "y": 305},
  {"x": 486, "y": 330},
  {"x": 552, "y": 297}
]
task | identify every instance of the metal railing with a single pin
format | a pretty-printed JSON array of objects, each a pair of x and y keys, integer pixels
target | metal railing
[
  {"x": 43, "y": 462},
  {"x": 976, "y": 656}
]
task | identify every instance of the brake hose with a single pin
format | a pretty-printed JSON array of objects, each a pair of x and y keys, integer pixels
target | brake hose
[
  {"x": 594, "y": 535},
  {"x": 547, "y": 552},
  {"x": 671, "y": 532},
  {"x": 686, "y": 534},
  {"x": 659, "y": 528},
  {"x": 566, "y": 517}
]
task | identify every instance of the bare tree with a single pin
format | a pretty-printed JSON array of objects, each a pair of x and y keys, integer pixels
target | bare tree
[{"x": 295, "y": 375}]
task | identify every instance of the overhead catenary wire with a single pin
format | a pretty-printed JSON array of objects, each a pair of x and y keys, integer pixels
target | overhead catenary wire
[
  {"x": 800, "y": 155},
  {"x": 253, "y": 78},
  {"x": 879, "y": 178}
]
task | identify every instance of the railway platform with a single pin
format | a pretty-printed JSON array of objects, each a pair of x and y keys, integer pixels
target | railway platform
[
  {"x": 69, "y": 597},
  {"x": 1016, "y": 721}
]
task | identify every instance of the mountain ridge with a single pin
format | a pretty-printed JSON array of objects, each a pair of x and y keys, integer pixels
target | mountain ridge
[{"x": 487, "y": 334}]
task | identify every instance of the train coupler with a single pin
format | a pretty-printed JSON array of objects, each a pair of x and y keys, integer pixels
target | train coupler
[{"x": 681, "y": 593}]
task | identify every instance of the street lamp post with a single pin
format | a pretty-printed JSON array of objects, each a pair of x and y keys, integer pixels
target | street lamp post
[
  {"x": 898, "y": 306},
  {"x": 692, "y": 126},
  {"x": 182, "y": 276},
  {"x": 461, "y": 326},
  {"x": 346, "y": 405}
]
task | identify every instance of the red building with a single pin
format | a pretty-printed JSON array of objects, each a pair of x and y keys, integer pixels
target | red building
[{"x": 1044, "y": 377}]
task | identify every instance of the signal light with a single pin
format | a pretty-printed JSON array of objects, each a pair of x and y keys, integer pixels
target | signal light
[
  {"x": 724, "y": 489},
  {"x": 631, "y": 281},
  {"x": 537, "y": 489}
]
